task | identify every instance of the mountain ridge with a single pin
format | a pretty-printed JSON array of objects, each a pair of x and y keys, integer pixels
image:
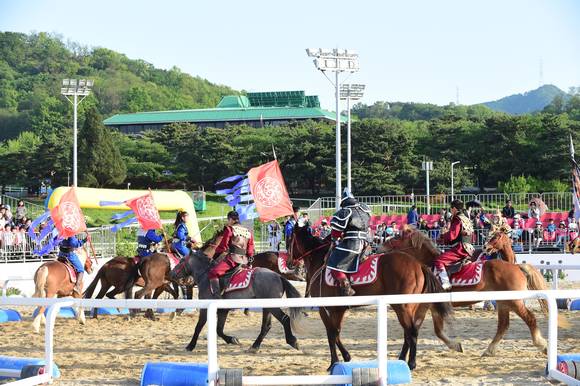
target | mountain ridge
[{"x": 528, "y": 102}]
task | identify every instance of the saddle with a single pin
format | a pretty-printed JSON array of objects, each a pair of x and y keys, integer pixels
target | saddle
[
  {"x": 466, "y": 272},
  {"x": 366, "y": 274},
  {"x": 71, "y": 270},
  {"x": 236, "y": 279}
]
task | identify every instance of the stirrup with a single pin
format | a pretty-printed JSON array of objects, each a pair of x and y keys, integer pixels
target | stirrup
[{"x": 346, "y": 288}]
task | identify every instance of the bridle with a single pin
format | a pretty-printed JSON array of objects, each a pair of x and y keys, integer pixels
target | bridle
[{"x": 305, "y": 254}]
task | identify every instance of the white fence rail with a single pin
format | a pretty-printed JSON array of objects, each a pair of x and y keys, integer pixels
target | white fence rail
[{"x": 381, "y": 302}]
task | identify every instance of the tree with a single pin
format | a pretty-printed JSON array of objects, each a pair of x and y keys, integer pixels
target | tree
[{"x": 100, "y": 162}]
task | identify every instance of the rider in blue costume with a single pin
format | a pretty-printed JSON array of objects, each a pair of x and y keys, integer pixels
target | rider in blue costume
[
  {"x": 146, "y": 241},
  {"x": 181, "y": 235},
  {"x": 67, "y": 250}
]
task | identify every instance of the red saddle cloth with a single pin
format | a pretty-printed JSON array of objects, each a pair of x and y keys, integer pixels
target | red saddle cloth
[
  {"x": 71, "y": 272},
  {"x": 173, "y": 260},
  {"x": 241, "y": 280},
  {"x": 470, "y": 274},
  {"x": 366, "y": 274},
  {"x": 283, "y": 262}
]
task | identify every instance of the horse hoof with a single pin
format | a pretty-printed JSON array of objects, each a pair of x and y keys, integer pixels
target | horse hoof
[
  {"x": 189, "y": 348},
  {"x": 172, "y": 315},
  {"x": 412, "y": 366},
  {"x": 295, "y": 345},
  {"x": 458, "y": 347},
  {"x": 487, "y": 353},
  {"x": 545, "y": 350},
  {"x": 329, "y": 369},
  {"x": 253, "y": 350},
  {"x": 234, "y": 341}
]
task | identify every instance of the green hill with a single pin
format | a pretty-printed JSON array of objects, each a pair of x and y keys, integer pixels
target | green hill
[
  {"x": 32, "y": 68},
  {"x": 528, "y": 102}
]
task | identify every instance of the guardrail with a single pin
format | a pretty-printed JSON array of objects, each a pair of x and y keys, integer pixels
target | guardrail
[{"x": 381, "y": 302}]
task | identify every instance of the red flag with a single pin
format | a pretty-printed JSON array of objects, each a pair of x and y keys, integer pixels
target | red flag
[
  {"x": 68, "y": 216},
  {"x": 145, "y": 211},
  {"x": 269, "y": 191}
]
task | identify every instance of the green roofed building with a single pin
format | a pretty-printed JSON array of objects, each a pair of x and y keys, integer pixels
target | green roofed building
[{"x": 257, "y": 109}]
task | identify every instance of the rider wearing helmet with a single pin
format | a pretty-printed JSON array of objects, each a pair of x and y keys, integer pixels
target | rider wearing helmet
[
  {"x": 67, "y": 250},
  {"x": 459, "y": 237},
  {"x": 350, "y": 226},
  {"x": 236, "y": 246}
]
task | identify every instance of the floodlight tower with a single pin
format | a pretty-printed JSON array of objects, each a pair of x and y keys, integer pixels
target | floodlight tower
[
  {"x": 337, "y": 61},
  {"x": 350, "y": 92},
  {"x": 75, "y": 88}
]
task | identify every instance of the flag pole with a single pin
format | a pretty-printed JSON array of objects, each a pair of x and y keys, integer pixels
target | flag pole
[
  {"x": 274, "y": 152},
  {"x": 92, "y": 248},
  {"x": 162, "y": 229}
]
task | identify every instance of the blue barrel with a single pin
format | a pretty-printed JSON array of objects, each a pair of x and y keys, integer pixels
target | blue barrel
[
  {"x": 64, "y": 312},
  {"x": 398, "y": 371},
  {"x": 111, "y": 311},
  {"x": 14, "y": 363},
  {"x": 9, "y": 316},
  {"x": 575, "y": 305},
  {"x": 165, "y": 310},
  {"x": 174, "y": 374}
]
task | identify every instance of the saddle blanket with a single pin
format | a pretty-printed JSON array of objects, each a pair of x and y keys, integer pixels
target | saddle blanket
[
  {"x": 241, "y": 280},
  {"x": 366, "y": 274},
  {"x": 71, "y": 273},
  {"x": 173, "y": 260},
  {"x": 283, "y": 262},
  {"x": 470, "y": 274}
]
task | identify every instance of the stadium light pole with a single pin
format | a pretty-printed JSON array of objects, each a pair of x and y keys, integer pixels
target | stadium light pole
[
  {"x": 452, "y": 164},
  {"x": 427, "y": 166},
  {"x": 75, "y": 88},
  {"x": 337, "y": 61},
  {"x": 350, "y": 92}
]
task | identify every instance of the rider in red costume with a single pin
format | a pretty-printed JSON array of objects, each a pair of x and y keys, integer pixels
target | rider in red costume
[{"x": 459, "y": 237}]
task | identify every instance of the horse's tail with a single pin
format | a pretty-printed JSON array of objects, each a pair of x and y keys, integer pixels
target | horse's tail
[
  {"x": 536, "y": 281},
  {"x": 433, "y": 286},
  {"x": 296, "y": 313},
  {"x": 40, "y": 278},
  {"x": 91, "y": 288}
]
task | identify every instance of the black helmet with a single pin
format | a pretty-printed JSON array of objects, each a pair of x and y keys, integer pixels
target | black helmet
[
  {"x": 234, "y": 215},
  {"x": 457, "y": 204}
]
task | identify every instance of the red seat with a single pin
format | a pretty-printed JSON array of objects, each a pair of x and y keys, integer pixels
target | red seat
[{"x": 549, "y": 236}]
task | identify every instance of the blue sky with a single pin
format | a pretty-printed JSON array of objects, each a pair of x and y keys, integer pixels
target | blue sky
[{"x": 409, "y": 50}]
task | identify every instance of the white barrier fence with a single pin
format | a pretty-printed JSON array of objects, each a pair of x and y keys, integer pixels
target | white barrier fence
[{"x": 381, "y": 302}]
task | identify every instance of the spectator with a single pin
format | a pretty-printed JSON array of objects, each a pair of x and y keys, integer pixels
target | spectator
[
  {"x": 21, "y": 212},
  {"x": 2, "y": 218},
  {"x": 508, "y": 210},
  {"x": 27, "y": 224},
  {"x": 324, "y": 229},
  {"x": 572, "y": 229},
  {"x": 304, "y": 220},
  {"x": 274, "y": 235},
  {"x": 561, "y": 234},
  {"x": 395, "y": 228},
  {"x": 538, "y": 234},
  {"x": 571, "y": 214},
  {"x": 7, "y": 237},
  {"x": 499, "y": 223},
  {"x": 551, "y": 226},
  {"x": 516, "y": 232},
  {"x": 378, "y": 238},
  {"x": 413, "y": 216},
  {"x": 423, "y": 225},
  {"x": 8, "y": 215},
  {"x": 534, "y": 211},
  {"x": 289, "y": 226},
  {"x": 434, "y": 231}
]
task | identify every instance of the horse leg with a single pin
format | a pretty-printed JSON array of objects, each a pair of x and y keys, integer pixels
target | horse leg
[
  {"x": 266, "y": 325},
  {"x": 503, "y": 322},
  {"x": 438, "y": 326},
  {"x": 527, "y": 316},
  {"x": 222, "y": 316},
  {"x": 149, "y": 313},
  {"x": 198, "y": 327},
  {"x": 405, "y": 314},
  {"x": 80, "y": 310},
  {"x": 329, "y": 316},
  {"x": 285, "y": 322}
]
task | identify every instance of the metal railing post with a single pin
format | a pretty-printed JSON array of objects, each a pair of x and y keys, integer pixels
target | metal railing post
[
  {"x": 382, "y": 341},
  {"x": 212, "y": 354},
  {"x": 49, "y": 335},
  {"x": 552, "y": 332}
]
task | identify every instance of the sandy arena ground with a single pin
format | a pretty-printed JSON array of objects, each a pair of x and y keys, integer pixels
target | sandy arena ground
[{"x": 112, "y": 350}]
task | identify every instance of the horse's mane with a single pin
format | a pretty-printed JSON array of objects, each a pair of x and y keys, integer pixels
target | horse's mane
[
  {"x": 210, "y": 241},
  {"x": 420, "y": 240}
]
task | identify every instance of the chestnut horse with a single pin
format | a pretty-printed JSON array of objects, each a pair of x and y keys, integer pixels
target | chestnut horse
[
  {"x": 398, "y": 273},
  {"x": 53, "y": 279},
  {"x": 497, "y": 275}
]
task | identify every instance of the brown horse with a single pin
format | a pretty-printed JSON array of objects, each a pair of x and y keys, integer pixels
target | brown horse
[
  {"x": 497, "y": 275},
  {"x": 398, "y": 273},
  {"x": 53, "y": 279},
  {"x": 270, "y": 260}
]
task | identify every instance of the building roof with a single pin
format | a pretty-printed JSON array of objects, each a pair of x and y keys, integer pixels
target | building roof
[{"x": 228, "y": 114}]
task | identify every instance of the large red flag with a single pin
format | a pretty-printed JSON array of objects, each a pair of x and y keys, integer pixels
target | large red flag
[
  {"x": 146, "y": 212},
  {"x": 269, "y": 191},
  {"x": 68, "y": 216}
]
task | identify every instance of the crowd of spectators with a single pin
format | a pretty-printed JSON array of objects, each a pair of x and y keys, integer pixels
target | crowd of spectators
[{"x": 14, "y": 224}]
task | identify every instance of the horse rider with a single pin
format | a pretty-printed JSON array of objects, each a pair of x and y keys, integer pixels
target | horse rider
[
  {"x": 350, "y": 226},
  {"x": 236, "y": 246},
  {"x": 147, "y": 241},
  {"x": 459, "y": 237},
  {"x": 181, "y": 235},
  {"x": 67, "y": 250}
]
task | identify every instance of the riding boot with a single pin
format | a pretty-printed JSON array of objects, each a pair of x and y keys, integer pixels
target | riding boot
[
  {"x": 79, "y": 284},
  {"x": 345, "y": 288},
  {"x": 214, "y": 287},
  {"x": 444, "y": 279}
]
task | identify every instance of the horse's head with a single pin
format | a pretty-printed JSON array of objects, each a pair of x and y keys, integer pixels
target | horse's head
[
  {"x": 209, "y": 247},
  {"x": 196, "y": 264},
  {"x": 308, "y": 248},
  {"x": 414, "y": 242},
  {"x": 498, "y": 242}
]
